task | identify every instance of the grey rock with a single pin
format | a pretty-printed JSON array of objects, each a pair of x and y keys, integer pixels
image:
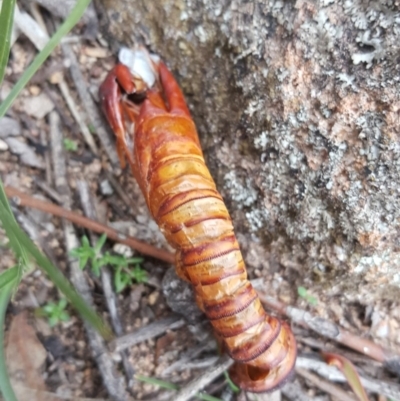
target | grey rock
[
  {"x": 9, "y": 127},
  {"x": 25, "y": 153},
  {"x": 180, "y": 297},
  {"x": 297, "y": 106},
  {"x": 38, "y": 106},
  {"x": 106, "y": 188}
]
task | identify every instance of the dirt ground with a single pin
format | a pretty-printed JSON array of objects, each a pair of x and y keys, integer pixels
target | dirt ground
[{"x": 58, "y": 363}]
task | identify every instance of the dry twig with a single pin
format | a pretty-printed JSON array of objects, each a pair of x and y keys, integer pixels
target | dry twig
[
  {"x": 147, "y": 332},
  {"x": 90, "y": 106},
  {"x": 199, "y": 383},
  {"x": 42, "y": 32},
  {"x": 87, "y": 136},
  {"x": 26, "y": 200},
  {"x": 326, "y": 386},
  {"x": 46, "y": 157},
  {"x": 31, "y": 228},
  {"x": 294, "y": 392},
  {"x": 188, "y": 356},
  {"x": 118, "y": 189},
  {"x": 48, "y": 190},
  {"x": 331, "y": 373}
]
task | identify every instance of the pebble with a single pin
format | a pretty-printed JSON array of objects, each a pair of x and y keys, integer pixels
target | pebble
[
  {"x": 152, "y": 299},
  {"x": 124, "y": 250},
  {"x": 56, "y": 77},
  {"x": 3, "y": 145},
  {"x": 25, "y": 153},
  {"x": 5, "y": 90},
  {"x": 382, "y": 329},
  {"x": 38, "y": 106},
  {"x": 34, "y": 90},
  {"x": 106, "y": 188},
  {"x": 9, "y": 127}
]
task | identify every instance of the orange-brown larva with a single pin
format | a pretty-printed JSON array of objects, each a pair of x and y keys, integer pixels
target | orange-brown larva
[{"x": 168, "y": 163}]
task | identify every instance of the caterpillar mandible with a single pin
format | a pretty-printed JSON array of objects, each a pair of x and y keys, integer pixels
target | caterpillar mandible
[{"x": 157, "y": 136}]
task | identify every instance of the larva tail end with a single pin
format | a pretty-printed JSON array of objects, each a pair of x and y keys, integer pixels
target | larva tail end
[{"x": 260, "y": 380}]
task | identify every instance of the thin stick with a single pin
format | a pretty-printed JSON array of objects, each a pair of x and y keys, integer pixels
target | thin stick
[
  {"x": 48, "y": 207},
  {"x": 42, "y": 33},
  {"x": 193, "y": 387},
  {"x": 68, "y": 24},
  {"x": 294, "y": 392},
  {"x": 118, "y": 189},
  {"x": 331, "y": 373},
  {"x": 31, "y": 227},
  {"x": 326, "y": 386},
  {"x": 87, "y": 136},
  {"x": 90, "y": 106},
  {"x": 48, "y": 190},
  {"x": 147, "y": 332},
  {"x": 182, "y": 363},
  {"x": 47, "y": 161}
]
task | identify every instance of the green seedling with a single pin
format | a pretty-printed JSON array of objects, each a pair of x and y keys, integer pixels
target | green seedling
[
  {"x": 91, "y": 128},
  {"x": 55, "y": 312},
  {"x": 70, "y": 145},
  {"x": 124, "y": 275},
  {"x": 90, "y": 255},
  {"x": 303, "y": 293}
]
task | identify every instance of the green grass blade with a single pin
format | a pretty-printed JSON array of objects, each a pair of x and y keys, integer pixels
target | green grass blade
[
  {"x": 19, "y": 251},
  {"x": 68, "y": 24},
  {"x": 8, "y": 276},
  {"x": 5, "y": 294},
  {"x": 231, "y": 384},
  {"x": 6, "y": 24},
  {"x": 171, "y": 386},
  {"x": 157, "y": 382},
  {"x": 25, "y": 243}
]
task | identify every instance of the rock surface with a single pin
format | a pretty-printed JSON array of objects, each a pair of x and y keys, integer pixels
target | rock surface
[{"x": 297, "y": 105}]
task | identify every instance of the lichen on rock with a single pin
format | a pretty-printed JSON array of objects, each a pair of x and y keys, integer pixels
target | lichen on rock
[{"x": 297, "y": 105}]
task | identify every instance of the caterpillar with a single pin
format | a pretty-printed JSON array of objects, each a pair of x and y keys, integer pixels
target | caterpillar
[{"x": 157, "y": 136}]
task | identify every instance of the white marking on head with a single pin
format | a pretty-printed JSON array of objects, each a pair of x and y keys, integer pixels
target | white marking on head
[{"x": 140, "y": 63}]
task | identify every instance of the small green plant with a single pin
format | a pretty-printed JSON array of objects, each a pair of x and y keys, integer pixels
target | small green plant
[
  {"x": 231, "y": 384},
  {"x": 91, "y": 128},
  {"x": 126, "y": 270},
  {"x": 55, "y": 312},
  {"x": 125, "y": 276},
  {"x": 86, "y": 254},
  {"x": 70, "y": 145},
  {"x": 303, "y": 293}
]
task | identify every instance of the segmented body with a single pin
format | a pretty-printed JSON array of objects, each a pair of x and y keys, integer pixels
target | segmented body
[{"x": 168, "y": 163}]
